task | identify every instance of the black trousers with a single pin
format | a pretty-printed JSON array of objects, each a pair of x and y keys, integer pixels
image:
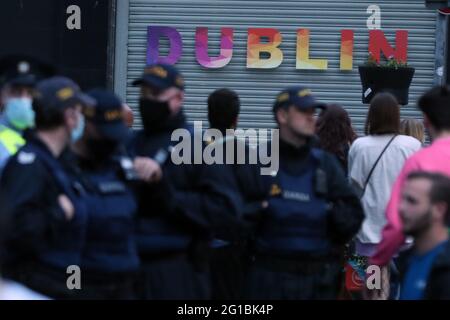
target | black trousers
[
  {"x": 277, "y": 279},
  {"x": 228, "y": 272},
  {"x": 109, "y": 286},
  {"x": 173, "y": 278}
]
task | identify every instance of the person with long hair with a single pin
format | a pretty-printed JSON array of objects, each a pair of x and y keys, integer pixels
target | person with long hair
[
  {"x": 374, "y": 163},
  {"x": 435, "y": 158},
  {"x": 335, "y": 132},
  {"x": 413, "y": 128}
]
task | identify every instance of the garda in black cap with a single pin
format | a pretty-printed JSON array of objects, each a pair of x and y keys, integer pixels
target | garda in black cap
[
  {"x": 161, "y": 76},
  {"x": 59, "y": 92},
  {"x": 107, "y": 115},
  {"x": 298, "y": 96},
  {"x": 22, "y": 70}
]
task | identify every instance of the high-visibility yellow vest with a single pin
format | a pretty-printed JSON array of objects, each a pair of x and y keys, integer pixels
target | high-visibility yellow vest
[{"x": 11, "y": 139}]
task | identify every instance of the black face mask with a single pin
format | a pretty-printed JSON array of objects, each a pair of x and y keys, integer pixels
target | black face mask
[
  {"x": 154, "y": 114},
  {"x": 101, "y": 149}
]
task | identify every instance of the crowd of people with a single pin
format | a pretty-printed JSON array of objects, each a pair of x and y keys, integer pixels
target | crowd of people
[{"x": 79, "y": 187}]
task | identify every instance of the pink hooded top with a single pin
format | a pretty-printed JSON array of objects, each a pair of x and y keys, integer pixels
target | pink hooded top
[{"x": 435, "y": 158}]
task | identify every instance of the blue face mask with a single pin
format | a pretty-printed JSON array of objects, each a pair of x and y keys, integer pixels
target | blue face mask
[
  {"x": 77, "y": 133},
  {"x": 20, "y": 113}
]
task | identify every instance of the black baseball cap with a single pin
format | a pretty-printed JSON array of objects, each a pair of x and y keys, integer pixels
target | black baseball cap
[
  {"x": 107, "y": 115},
  {"x": 298, "y": 96},
  {"x": 161, "y": 76},
  {"x": 22, "y": 70},
  {"x": 59, "y": 92}
]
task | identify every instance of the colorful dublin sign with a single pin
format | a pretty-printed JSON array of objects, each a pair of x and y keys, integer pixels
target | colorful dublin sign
[{"x": 378, "y": 44}]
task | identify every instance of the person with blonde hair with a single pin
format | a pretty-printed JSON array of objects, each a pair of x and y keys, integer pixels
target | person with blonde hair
[{"x": 413, "y": 128}]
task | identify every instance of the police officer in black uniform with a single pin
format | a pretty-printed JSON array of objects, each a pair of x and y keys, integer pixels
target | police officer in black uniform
[
  {"x": 109, "y": 260},
  {"x": 312, "y": 210},
  {"x": 18, "y": 76},
  {"x": 21, "y": 72},
  {"x": 45, "y": 210},
  {"x": 176, "y": 216}
]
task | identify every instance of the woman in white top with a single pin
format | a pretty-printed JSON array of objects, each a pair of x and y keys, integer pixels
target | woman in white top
[{"x": 382, "y": 133}]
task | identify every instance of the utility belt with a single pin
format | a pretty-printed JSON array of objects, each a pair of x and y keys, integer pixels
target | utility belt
[
  {"x": 302, "y": 264},
  {"x": 109, "y": 286},
  {"x": 97, "y": 278},
  {"x": 235, "y": 243},
  {"x": 199, "y": 260},
  {"x": 158, "y": 256}
]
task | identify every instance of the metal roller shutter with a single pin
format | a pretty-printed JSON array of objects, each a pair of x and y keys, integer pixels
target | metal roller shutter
[{"x": 257, "y": 88}]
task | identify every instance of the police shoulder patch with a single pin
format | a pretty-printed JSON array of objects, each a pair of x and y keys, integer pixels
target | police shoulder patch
[
  {"x": 275, "y": 190},
  {"x": 26, "y": 157}
]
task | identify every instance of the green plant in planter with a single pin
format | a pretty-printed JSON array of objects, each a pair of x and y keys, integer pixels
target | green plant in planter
[
  {"x": 394, "y": 63},
  {"x": 392, "y": 75},
  {"x": 372, "y": 62},
  {"x": 391, "y": 62}
]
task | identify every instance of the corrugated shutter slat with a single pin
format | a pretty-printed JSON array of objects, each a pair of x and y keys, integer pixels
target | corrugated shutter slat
[{"x": 257, "y": 88}]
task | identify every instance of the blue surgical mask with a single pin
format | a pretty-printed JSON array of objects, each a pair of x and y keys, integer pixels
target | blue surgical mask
[
  {"x": 20, "y": 113},
  {"x": 77, "y": 132}
]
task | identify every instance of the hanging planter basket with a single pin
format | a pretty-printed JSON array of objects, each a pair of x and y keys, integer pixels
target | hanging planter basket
[{"x": 376, "y": 79}]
